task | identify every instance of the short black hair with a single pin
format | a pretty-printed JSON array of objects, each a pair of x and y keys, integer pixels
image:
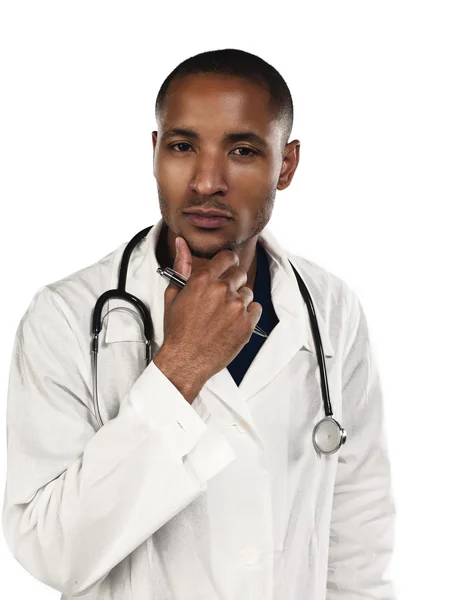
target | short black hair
[{"x": 247, "y": 66}]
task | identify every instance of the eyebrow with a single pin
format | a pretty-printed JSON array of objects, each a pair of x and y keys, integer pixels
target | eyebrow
[{"x": 229, "y": 136}]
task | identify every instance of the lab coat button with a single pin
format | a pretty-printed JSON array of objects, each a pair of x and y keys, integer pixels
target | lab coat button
[{"x": 250, "y": 555}]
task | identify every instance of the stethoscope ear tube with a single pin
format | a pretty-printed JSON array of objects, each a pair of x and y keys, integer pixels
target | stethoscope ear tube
[{"x": 94, "y": 381}]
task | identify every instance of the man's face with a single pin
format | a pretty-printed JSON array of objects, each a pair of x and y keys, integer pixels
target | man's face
[{"x": 239, "y": 176}]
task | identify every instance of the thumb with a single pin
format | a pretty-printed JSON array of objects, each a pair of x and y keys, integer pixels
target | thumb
[
  {"x": 183, "y": 257},
  {"x": 182, "y": 264}
]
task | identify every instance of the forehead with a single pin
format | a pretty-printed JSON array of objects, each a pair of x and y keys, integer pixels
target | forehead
[{"x": 211, "y": 103}]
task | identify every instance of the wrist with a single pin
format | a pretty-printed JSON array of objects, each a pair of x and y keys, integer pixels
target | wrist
[{"x": 182, "y": 374}]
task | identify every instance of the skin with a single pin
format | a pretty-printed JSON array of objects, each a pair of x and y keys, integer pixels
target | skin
[{"x": 210, "y": 173}]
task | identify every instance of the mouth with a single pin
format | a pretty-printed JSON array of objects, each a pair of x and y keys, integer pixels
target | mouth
[{"x": 207, "y": 222}]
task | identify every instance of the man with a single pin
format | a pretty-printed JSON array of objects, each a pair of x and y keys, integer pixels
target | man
[{"x": 203, "y": 483}]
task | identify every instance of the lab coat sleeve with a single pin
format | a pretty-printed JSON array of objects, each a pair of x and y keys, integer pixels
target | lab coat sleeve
[
  {"x": 78, "y": 498},
  {"x": 363, "y": 511}
]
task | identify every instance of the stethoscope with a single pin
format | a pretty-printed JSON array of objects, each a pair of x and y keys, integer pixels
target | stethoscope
[{"x": 328, "y": 436}]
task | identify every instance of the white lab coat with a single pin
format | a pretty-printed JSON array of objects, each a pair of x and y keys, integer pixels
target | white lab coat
[{"x": 224, "y": 499}]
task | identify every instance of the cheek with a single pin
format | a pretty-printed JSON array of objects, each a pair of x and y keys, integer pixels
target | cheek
[
  {"x": 172, "y": 178},
  {"x": 254, "y": 187},
  {"x": 166, "y": 167},
  {"x": 255, "y": 179},
  {"x": 254, "y": 173}
]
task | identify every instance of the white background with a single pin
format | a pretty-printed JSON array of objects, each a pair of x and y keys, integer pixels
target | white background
[{"x": 369, "y": 201}]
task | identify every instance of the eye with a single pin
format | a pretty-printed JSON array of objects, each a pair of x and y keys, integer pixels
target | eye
[
  {"x": 179, "y": 144},
  {"x": 252, "y": 152}
]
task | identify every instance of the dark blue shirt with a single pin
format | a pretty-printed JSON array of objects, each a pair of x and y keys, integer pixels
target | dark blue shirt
[{"x": 261, "y": 293}]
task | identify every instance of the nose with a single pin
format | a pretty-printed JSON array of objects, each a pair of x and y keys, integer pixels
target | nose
[{"x": 209, "y": 176}]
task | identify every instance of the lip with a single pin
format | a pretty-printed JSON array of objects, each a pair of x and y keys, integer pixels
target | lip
[
  {"x": 207, "y": 222},
  {"x": 210, "y": 212}
]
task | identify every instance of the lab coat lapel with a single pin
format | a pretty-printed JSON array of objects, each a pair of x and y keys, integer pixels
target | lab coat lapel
[{"x": 291, "y": 334}]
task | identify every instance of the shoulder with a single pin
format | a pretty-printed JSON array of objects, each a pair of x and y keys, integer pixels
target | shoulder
[
  {"x": 73, "y": 297},
  {"x": 322, "y": 282}
]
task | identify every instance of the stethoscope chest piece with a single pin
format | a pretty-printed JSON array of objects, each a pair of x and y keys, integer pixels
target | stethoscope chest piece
[{"x": 328, "y": 436}]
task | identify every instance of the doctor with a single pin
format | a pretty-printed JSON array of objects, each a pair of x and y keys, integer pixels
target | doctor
[{"x": 203, "y": 483}]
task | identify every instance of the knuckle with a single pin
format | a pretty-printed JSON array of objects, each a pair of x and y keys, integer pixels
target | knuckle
[
  {"x": 242, "y": 271},
  {"x": 223, "y": 285},
  {"x": 247, "y": 292},
  {"x": 246, "y": 295},
  {"x": 238, "y": 303},
  {"x": 231, "y": 255}
]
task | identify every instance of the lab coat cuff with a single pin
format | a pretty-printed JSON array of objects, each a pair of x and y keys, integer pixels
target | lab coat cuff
[
  {"x": 166, "y": 411},
  {"x": 212, "y": 454}
]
